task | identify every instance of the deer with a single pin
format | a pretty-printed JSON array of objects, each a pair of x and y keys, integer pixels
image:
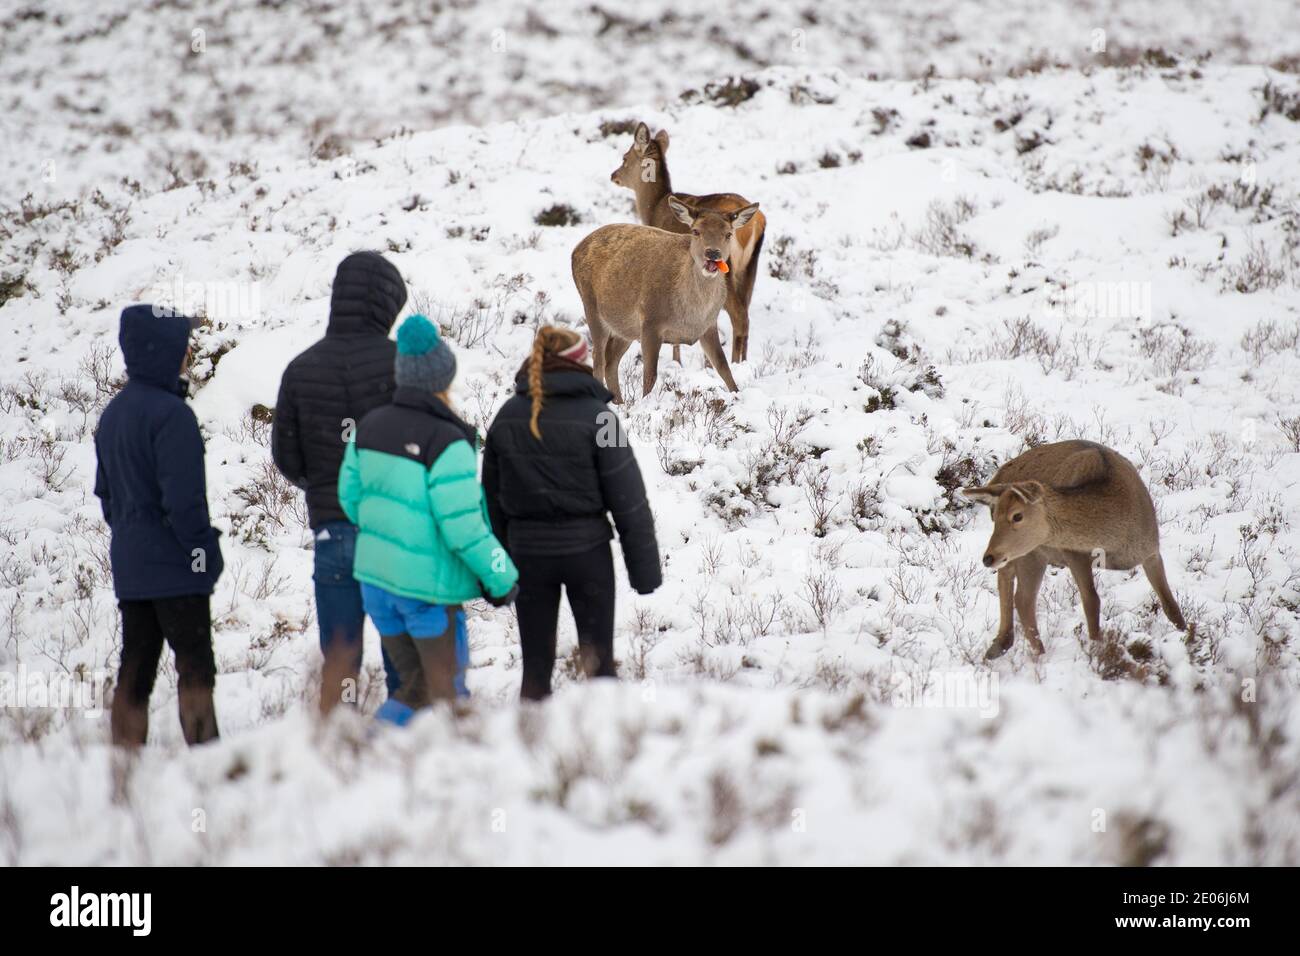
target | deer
[
  {"x": 644, "y": 170},
  {"x": 638, "y": 283},
  {"x": 1073, "y": 504}
]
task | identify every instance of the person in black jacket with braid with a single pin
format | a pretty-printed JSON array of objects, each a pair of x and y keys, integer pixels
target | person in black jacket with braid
[
  {"x": 556, "y": 467},
  {"x": 324, "y": 393}
]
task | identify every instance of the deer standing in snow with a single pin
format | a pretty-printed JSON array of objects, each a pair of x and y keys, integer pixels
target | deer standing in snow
[
  {"x": 644, "y": 170},
  {"x": 1073, "y": 504},
  {"x": 639, "y": 283}
]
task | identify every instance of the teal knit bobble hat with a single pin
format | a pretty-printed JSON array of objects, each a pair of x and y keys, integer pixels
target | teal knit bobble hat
[{"x": 424, "y": 360}]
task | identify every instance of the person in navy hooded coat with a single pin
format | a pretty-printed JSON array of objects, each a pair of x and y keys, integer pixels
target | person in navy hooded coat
[{"x": 165, "y": 553}]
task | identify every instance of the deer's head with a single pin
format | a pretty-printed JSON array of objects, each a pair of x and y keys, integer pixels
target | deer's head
[
  {"x": 643, "y": 161},
  {"x": 1019, "y": 519},
  {"x": 711, "y": 232}
]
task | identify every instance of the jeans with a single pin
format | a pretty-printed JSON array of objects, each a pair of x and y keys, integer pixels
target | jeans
[
  {"x": 588, "y": 582},
  {"x": 339, "y": 610}
]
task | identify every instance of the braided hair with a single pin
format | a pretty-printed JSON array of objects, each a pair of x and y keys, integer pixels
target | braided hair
[{"x": 550, "y": 340}]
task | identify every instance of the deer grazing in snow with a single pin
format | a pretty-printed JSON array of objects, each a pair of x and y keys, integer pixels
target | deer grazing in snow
[
  {"x": 1073, "y": 504},
  {"x": 639, "y": 283},
  {"x": 644, "y": 170}
]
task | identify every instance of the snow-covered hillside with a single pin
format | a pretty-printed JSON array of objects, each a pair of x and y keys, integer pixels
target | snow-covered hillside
[
  {"x": 176, "y": 91},
  {"x": 954, "y": 269}
]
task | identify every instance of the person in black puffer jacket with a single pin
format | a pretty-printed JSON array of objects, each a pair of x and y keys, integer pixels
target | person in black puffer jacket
[
  {"x": 556, "y": 467},
  {"x": 325, "y": 391}
]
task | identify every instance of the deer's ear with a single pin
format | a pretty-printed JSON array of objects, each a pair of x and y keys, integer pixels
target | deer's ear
[
  {"x": 984, "y": 494},
  {"x": 661, "y": 138},
  {"x": 641, "y": 137},
  {"x": 742, "y": 216},
  {"x": 1030, "y": 492},
  {"x": 681, "y": 210}
]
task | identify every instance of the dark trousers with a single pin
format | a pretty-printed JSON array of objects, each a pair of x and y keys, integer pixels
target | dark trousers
[
  {"x": 184, "y": 624},
  {"x": 588, "y": 582},
  {"x": 341, "y": 615}
]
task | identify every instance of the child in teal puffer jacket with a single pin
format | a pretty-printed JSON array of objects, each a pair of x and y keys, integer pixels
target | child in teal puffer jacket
[{"x": 409, "y": 482}]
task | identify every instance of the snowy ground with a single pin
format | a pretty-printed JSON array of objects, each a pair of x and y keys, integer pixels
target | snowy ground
[
  {"x": 955, "y": 268},
  {"x": 176, "y": 91}
]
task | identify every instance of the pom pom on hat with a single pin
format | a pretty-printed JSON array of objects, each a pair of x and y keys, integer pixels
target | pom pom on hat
[{"x": 417, "y": 335}]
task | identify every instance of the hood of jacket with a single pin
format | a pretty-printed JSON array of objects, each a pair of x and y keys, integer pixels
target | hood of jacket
[
  {"x": 154, "y": 346},
  {"x": 368, "y": 293}
]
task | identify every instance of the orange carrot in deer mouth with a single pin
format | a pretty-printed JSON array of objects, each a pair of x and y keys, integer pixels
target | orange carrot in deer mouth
[{"x": 722, "y": 266}]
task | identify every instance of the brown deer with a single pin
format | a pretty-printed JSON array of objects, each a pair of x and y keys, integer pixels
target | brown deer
[
  {"x": 1073, "y": 504},
  {"x": 643, "y": 284},
  {"x": 645, "y": 172}
]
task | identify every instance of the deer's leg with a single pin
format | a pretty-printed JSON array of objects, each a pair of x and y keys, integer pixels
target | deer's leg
[
  {"x": 1006, "y": 621},
  {"x": 614, "y": 350},
  {"x": 1154, "y": 567},
  {"x": 599, "y": 342},
  {"x": 1080, "y": 566},
  {"x": 739, "y": 313},
  {"x": 748, "y": 273},
  {"x": 651, "y": 343},
  {"x": 712, "y": 346},
  {"x": 1029, "y": 578},
  {"x": 677, "y": 354}
]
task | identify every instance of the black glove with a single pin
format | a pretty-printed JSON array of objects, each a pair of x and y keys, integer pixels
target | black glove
[
  {"x": 645, "y": 581},
  {"x": 505, "y": 599}
]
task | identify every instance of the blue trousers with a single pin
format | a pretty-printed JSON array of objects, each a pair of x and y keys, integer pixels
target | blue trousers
[
  {"x": 339, "y": 608},
  {"x": 427, "y": 643}
]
